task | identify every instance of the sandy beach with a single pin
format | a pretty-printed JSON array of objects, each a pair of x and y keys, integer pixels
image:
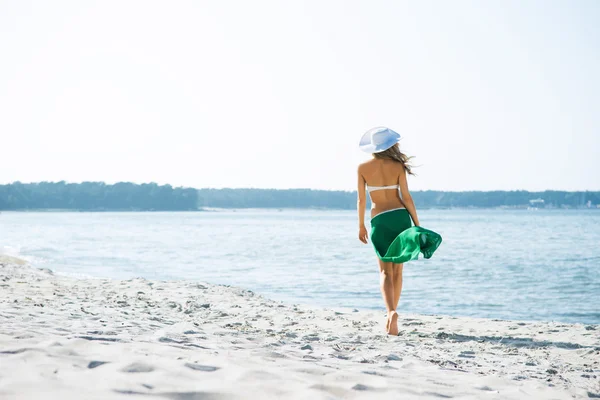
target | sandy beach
[{"x": 66, "y": 338}]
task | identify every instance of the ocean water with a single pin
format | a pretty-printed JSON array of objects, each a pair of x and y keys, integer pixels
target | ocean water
[{"x": 507, "y": 264}]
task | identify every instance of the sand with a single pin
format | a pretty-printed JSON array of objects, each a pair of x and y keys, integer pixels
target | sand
[{"x": 67, "y": 338}]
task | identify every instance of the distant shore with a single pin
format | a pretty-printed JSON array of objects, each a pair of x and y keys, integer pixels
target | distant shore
[
  {"x": 224, "y": 209},
  {"x": 107, "y": 339},
  {"x": 151, "y": 196}
]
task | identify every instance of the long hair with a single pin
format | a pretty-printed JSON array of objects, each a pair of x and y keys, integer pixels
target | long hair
[{"x": 394, "y": 153}]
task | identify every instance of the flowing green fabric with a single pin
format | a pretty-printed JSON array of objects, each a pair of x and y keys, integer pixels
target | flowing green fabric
[{"x": 396, "y": 240}]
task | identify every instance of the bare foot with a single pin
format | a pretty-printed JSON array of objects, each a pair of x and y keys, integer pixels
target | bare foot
[{"x": 392, "y": 324}]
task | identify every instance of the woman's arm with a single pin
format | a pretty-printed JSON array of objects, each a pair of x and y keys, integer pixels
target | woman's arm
[
  {"x": 407, "y": 198},
  {"x": 361, "y": 205}
]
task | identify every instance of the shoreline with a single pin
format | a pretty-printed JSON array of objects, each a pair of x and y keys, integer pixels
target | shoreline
[
  {"x": 99, "y": 338},
  {"x": 280, "y": 209}
]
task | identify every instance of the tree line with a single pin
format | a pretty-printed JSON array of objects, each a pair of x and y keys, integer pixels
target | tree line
[
  {"x": 96, "y": 196},
  {"x": 125, "y": 196}
]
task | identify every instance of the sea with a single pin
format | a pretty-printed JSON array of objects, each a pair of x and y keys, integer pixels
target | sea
[{"x": 502, "y": 264}]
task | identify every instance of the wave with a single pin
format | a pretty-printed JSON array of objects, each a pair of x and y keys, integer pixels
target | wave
[{"x": 16, "y": 254}]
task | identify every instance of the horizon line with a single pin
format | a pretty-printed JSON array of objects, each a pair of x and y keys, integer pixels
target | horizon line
[{"x": 292, "y": 188}]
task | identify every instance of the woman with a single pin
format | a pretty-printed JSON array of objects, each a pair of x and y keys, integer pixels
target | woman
[{"x": 394, "y": 239}]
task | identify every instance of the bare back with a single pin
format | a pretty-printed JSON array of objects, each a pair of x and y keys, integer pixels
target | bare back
[{"x": 382, "y": 172}]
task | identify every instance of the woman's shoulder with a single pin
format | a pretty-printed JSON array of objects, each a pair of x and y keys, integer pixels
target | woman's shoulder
[
  {"x": 389, "y": 165},
  {"x": 365, "y": 164}
]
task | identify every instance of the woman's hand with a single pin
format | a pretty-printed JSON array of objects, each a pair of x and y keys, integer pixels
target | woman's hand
[{"x": 362, "y": 234}]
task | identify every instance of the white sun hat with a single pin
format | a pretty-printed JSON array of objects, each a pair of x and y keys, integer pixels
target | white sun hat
[{"x": 378, "y": 139}]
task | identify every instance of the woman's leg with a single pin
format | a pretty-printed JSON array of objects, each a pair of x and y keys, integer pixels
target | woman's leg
[
  {"x": 386, "y": 282},
  {"x": 398, "y": 268}
]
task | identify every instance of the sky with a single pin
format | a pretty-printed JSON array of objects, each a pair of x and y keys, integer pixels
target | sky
[{"x": 276, "y": 94}]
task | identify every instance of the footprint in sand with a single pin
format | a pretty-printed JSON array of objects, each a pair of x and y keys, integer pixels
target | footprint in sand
[
  {"x": 199, "y": 367},
  {"x": 137, "y": 368},
  {"x": 94, "y": 364}
]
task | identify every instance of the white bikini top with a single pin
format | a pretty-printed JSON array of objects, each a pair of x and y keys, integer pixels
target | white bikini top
[{"x": 374, "y": 188}]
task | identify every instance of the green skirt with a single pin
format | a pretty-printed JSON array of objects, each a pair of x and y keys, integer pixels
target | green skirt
[{"x": 397, "y": 241}]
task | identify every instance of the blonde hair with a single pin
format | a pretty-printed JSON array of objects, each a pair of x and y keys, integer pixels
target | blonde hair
[{"x": 394, "y": 153}]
